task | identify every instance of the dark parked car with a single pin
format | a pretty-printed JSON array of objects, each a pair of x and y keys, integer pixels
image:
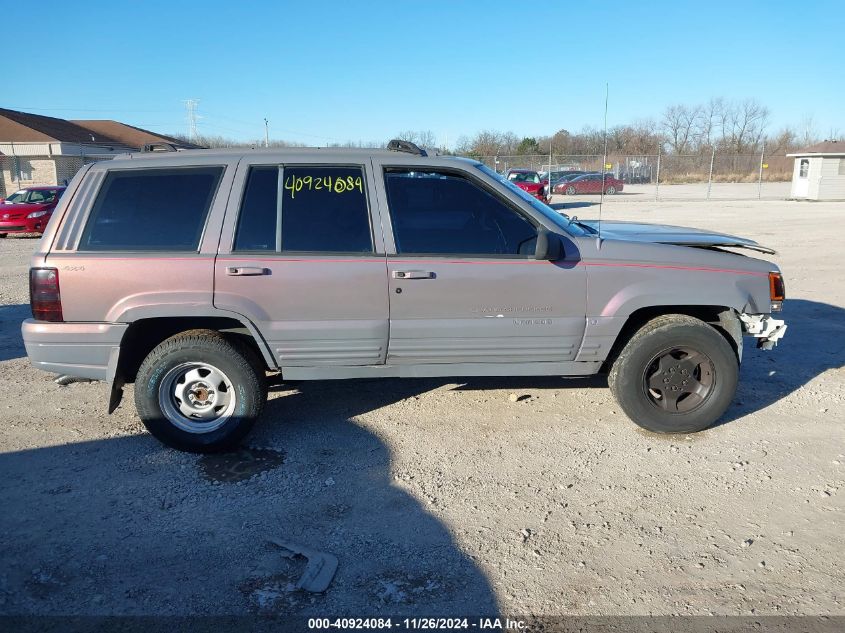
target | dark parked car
[
  {"x": 566, "y": 177},
  {"x": 28, "y": 210},
  {"x": 589, "y": 183}
]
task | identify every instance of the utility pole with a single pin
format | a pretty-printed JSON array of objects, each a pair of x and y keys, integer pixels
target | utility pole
[
  {"x": 266, "y": 133},
  {"x": 710, "y": 174},
  {"x": 657, "y": 179},
  {"x": 191, "y": 107}
]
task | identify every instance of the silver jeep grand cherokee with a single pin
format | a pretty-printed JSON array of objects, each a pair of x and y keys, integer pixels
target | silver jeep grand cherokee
[{"x": 194, "y": 273}]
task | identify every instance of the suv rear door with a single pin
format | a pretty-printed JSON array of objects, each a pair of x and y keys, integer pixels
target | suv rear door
[
  {"x": 299, "y": 257},
  {"x": 464, "y": 286}
]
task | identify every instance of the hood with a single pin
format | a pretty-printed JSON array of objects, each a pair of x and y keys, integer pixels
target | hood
[
  {"x": 17, "y": 209},
  {"x": 678, "y": 235}
]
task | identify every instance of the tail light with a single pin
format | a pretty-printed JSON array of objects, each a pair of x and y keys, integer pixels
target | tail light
[
  {"x": 44, "y": 297},
  {"x": 777, "y": 291}
]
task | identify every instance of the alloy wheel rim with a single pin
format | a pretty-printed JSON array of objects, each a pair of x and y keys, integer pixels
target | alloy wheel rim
[{"x": 679, "y": 379}]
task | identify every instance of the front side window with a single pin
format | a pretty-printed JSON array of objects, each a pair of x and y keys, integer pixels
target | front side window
[
  {"x": 437, "y": 212},
  {"x": 803, "y": 167},
  {"x": 322, "y": 210},
  {"x": 151, "y": 209}
]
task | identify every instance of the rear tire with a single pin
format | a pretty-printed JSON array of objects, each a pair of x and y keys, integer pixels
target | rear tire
[
  {"x": 199, "y": 391},
  {"x": 677, "y": 374},
  {"x": 610, "y": 190},
  {"x": 2, "y": 235}
]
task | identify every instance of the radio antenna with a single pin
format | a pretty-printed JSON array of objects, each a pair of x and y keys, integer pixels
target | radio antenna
[{"x": 603, "y": 162}]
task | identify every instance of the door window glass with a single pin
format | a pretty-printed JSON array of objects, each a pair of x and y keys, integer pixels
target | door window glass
[
  {"x": 151, "y": 209},
  {"x": 322, "y": 210},
  {"x": 442, "y": 213},
  {"x": 804, "y": 168}
]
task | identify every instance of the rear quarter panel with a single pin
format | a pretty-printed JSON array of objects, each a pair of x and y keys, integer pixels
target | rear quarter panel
[{"x": 106, "y": 286}]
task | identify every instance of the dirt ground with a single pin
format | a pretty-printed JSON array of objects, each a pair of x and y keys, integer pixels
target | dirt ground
[{"x": 447, "y": 497}]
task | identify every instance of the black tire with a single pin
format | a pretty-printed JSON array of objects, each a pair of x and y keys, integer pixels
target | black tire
[
  {"x": 570, "y": 191},
  {"x": 677, "y": 374},
  {"x": 236, "y": 375},
  {"x": 2, "y": 235}
]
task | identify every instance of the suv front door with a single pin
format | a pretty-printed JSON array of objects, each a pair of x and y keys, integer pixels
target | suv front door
[
  {"x": 464, "y": 286},
  {"x": 299, "y": 258}
]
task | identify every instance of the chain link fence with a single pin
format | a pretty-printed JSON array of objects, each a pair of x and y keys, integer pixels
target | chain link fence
[
  {"x": 18, "y": 172},
  {"x": 670, "y": 176}
]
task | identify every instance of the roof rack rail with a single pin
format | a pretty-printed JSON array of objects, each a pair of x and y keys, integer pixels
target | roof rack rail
[
  {"x": 397, "y": 145},
  {"x": 159, "y": 147}
]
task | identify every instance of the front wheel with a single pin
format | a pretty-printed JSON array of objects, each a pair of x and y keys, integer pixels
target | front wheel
[
  {"x": 200, "y": 392},
  {"x": 677, "y": 374},
  {"x": 570, "y": 191},
  {"x": 610, "y": 190},
  {"x": 2, "y": 235}
]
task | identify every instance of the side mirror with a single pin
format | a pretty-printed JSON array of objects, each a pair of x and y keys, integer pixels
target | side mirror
[{"x": 549, "y": 246}]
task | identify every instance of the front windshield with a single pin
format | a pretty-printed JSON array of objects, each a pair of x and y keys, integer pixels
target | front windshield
[
  {"x": 520, "y": 176},
  {"x": 558, "y": 219},
  {"x": 18, "y": 197}
]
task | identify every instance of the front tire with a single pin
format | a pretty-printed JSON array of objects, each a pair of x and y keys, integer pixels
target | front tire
[
  {"x": 610, "y": 190},
  {"x": 2, "y": 235},
  {"x": 677, "y": 374},
  {"x": 200, "y": 392},
  {"x": 570, "y": 191}
]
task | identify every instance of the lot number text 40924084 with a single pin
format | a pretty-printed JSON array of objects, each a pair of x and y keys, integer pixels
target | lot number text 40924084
[
  {"x": 295, "y": 184},
  {"x": 416, "y": 624}
]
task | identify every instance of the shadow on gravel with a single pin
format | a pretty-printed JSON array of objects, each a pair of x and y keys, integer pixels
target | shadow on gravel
[
  {"x": 814, "y": 343},
  {"x": 11, "y": 343},
  {"x": 126, "y": 526}
]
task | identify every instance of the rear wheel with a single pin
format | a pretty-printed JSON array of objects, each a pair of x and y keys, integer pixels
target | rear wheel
[
  {"x": 200, "y": 392},
  {"x": 610, "y": 190},
  {"x": 677, "y": 374},
  {"x": 2, "y": 235}
]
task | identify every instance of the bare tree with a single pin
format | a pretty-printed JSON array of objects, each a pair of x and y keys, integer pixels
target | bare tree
[
  {"x": 711, "y": 121},
  {"x": 423, "y": 138},
  {"x": 808, "y": 133},
  {"x": 678, "y": 125},
  {"x": 747, "y": 123}
]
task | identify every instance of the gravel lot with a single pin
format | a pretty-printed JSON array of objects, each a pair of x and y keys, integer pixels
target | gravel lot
[{"x": 444, "y": 497}]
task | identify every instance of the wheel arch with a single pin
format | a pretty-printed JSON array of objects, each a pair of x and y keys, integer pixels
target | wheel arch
[
  {"x": 724, "y": 319},
  {"x": 144, "y": 334}
]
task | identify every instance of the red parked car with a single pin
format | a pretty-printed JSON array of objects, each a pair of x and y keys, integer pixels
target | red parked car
[
  {"x": 530, "y": 181},
  {"x": 28, "y": 210},
  {"x": 589, "y": 183}
]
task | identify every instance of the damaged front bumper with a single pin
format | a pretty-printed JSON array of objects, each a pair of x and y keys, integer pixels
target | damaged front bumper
[{"x": 766, "y": 329}]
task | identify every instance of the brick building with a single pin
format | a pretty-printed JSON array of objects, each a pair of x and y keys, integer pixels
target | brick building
[{"x": 42, "y": 150}]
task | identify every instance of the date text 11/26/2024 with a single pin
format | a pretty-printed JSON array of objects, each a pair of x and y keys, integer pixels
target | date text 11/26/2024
[{"x": 409, "y": 624}]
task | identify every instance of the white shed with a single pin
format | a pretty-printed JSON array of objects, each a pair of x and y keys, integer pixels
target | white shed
[{"x": 819, "y": 172}]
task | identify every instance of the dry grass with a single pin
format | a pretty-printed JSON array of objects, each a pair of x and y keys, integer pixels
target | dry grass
[{"x": 748, "y": 177}]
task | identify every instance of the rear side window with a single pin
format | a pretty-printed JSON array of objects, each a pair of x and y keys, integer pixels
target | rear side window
[
  {"x": 442, "y": 213},
  {"x": 151, "y": 210},
  {"x": 322, "y": 210}
]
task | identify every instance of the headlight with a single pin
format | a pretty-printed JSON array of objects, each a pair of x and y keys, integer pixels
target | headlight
[{"x": 37, "y": 214}]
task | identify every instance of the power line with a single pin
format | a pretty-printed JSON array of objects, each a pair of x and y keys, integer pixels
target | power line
[{"x": 72, "y": 109}]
